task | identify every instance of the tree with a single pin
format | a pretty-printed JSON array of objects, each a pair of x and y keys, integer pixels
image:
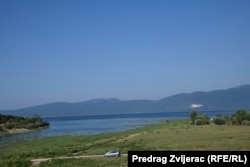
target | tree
[
  {"x": 239, "y": 116},
  {"x": 193, "y": 115},
  {"x": 227, "y": 119},
  {"x": 205, "y": 119}
]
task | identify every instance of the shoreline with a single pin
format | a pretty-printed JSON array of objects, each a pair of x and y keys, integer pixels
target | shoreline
[
  {"x": 16, "y": 131},
  {"x": 8, "y": 132},
  {"x": 151, "y": 137}
]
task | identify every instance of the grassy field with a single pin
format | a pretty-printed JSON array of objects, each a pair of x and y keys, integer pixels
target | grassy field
[{"x": 172, "y": 135}]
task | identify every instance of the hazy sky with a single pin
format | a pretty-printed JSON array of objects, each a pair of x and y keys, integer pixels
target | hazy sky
[{"x": 71, "y": 51}]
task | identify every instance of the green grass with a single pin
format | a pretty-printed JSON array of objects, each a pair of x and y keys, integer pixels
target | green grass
[
  {"x": 95, "y": 162},
  {"x": 174, "y": 135}
]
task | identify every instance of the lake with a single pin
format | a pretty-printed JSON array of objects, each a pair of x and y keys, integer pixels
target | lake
[{"x": 95, "y": 124}]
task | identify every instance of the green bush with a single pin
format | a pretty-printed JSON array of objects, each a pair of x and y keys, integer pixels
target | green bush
[
  {"x": 18, "y": 162},
  {"x": 202, "y": 119},
  {"x": 9, "y": 126},
  {"x": 246, "y": 122},
  {"x": 240, "y": 116},
  {"x": 198, "y": 122},
  {"x": 193, "y": 115},
  {"x": 1, "y": 129},
  {"x": 219, "y": 120}
]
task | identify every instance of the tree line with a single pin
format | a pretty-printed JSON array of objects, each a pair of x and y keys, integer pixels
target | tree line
[
  {"x": 240, "y": 117},
  {"x": 16, "y": 122}
]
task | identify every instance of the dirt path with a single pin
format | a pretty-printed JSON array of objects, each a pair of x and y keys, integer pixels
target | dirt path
[
  {"x": 130, "y": 136},
  {"x": 36, "y": 162}
]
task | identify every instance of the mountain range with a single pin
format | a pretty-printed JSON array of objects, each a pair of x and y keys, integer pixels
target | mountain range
[{"x": 227, "y": 99}]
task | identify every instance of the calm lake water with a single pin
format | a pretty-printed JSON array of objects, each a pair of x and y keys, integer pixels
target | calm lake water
[{"x": 95, "y": 124}]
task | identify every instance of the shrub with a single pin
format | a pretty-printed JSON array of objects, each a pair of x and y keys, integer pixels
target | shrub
[
  {"x": 202, "y": 119},
  {"x": 19, "y": 162},
  {"x": 205, "y": 120},
  {"x": 219, "y": 120},
  {"x": 9, "y": 126},
  {"x": 198, "y": 122},
  {"x": 246, "y": 122},
  {"x": 240, "y": 116},
  {"x": 1, "y": 129}
]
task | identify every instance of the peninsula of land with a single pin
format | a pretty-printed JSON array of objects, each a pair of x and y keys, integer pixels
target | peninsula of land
[{"x": 10, "y": 124}]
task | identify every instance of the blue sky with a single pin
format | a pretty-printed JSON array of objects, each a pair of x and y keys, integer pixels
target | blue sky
[{"x": 71, "y": 51}]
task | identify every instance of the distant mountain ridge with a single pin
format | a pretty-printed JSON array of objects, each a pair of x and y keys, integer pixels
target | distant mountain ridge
[{"x": 233, "y": 98}]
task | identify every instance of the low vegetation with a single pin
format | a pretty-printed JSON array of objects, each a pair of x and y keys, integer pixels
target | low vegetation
[
  {"x": 9, "y": 123},
  {"x": 240, "y": 117},
  {"x": 170, "y": 135}
]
